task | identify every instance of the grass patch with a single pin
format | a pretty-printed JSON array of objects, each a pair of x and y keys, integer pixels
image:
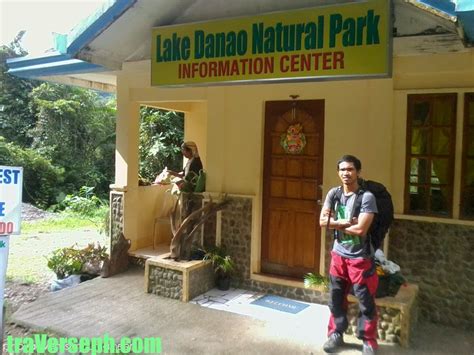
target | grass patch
[{"x": 64, "y": 222}]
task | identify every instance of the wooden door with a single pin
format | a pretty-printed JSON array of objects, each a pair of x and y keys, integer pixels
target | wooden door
[{"x": 291, "y": 236}]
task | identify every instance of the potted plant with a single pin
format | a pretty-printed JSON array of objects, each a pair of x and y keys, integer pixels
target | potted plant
[
  {"x": 312, "y": 280},
  {"x": 223, "y": 267}
]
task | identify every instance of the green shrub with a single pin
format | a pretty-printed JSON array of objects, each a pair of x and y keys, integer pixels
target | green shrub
[
  {"x": 85, "y": 203},
  {"x": 65, "y": 262},
  {"x": 72, "y": 261},
  {"x": 41, "y": 180}
]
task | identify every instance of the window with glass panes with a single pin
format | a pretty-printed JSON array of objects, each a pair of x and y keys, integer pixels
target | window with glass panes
[
  {"x": 431, "y": 137},
  {"x": 467, "y": 184}
]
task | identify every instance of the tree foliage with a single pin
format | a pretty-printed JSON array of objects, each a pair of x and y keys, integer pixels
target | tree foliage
[
  {"x": 41, "y": 180},
  {"x": 161, "y": 135},
  {"x": 75, "y": 129},
  {"x": 16, "y": 119}
]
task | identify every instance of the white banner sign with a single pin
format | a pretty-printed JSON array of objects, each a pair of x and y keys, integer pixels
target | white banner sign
[
  {"x": 11, "y": 183},
  {"x": 4, "y": 248},
  {"x": 11, "y": 187}
]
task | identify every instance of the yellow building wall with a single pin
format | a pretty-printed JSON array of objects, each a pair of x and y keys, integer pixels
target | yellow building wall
[
  {"x": 366, "y": 118},
  {"x": 354, "y": 110},
  {"x": 153, "y": 203}
]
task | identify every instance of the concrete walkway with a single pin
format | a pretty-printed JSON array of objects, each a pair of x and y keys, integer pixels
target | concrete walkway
[{"x": 118, "y": 306}]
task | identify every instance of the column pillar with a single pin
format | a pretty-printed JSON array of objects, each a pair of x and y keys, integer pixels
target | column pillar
[{"x": 126, "y": 162}]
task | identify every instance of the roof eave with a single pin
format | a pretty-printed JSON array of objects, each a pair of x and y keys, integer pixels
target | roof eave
[
  {"x": 57, "y": 63},
  {"x": 98, "y": 25},
  {"x": 60, "y": 67}
]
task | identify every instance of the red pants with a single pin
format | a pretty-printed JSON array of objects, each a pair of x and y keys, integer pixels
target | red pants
[{"x": 359, "y": 274}]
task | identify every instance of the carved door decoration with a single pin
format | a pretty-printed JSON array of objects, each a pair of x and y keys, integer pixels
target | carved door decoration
[{"x": 293, "y": 140}]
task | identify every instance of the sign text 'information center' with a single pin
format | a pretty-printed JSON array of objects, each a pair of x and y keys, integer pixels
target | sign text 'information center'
[{"x": 346, "y": 41}]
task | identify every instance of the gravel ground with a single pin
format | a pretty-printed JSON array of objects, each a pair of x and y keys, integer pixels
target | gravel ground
[{"x": 32, "y": 213}]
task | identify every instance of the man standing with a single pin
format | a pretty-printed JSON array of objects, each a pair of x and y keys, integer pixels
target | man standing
[{"x": 349, "y": 211}]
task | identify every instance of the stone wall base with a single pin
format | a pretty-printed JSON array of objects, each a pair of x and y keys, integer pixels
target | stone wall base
[
  {"x": 397, "y": 315},
  {"x": 180, "y": 280}
]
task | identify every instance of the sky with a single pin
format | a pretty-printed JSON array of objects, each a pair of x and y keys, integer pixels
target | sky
[{"x": 40, "y": 18}]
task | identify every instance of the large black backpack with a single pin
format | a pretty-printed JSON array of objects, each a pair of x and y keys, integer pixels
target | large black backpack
[{"x": 383, "y": 219}]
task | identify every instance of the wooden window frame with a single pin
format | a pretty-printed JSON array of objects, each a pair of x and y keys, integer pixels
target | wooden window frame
[
  {"x": 411, "y": 100},
  {"x": 468, "y": 97}
]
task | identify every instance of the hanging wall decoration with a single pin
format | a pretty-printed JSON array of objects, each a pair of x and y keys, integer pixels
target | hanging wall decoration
[{"x": 294, "y": 140}]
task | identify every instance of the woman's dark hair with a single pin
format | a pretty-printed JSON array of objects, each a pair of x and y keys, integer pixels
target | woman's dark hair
[{"x": 350, "y": 159}]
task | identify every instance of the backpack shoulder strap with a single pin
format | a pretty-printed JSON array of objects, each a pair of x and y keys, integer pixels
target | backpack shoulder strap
[
  {"x": 335, "y": 200},
  {"x": 338, "y": 194},
  {"x": 358, "y": 202},
  {"x": 335, "y": 195}
]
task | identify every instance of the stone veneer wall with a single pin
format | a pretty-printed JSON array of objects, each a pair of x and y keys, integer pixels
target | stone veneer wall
[
  {"x": 178, "y": 280},
  {"x": 165, "y": 282},
  {"x": 209, "y": 233},
  {"x": 439, "y": 258},
  {"x": 389, "y": 327},
  {"x": 116, "y": 217},
  {"x": 201, "y": 280},
  {"x": 236, "y": 232}
]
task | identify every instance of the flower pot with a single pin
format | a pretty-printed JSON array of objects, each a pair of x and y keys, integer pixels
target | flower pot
[{"x": 223, "y": 283}]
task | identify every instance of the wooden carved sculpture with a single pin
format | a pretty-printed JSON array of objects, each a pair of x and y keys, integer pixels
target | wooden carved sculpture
[{"x": 183, "y": 231}]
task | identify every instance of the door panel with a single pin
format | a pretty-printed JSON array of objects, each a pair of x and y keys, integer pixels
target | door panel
[{"x": 290, "y": 227}]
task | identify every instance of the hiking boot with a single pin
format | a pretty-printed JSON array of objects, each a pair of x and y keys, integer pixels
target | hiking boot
[
  {"x": 367, "y": 349},
  {"x": 335, "y": 340}
]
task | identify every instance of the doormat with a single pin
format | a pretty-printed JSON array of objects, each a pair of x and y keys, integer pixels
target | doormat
[{"x": 280, "y": 304}]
